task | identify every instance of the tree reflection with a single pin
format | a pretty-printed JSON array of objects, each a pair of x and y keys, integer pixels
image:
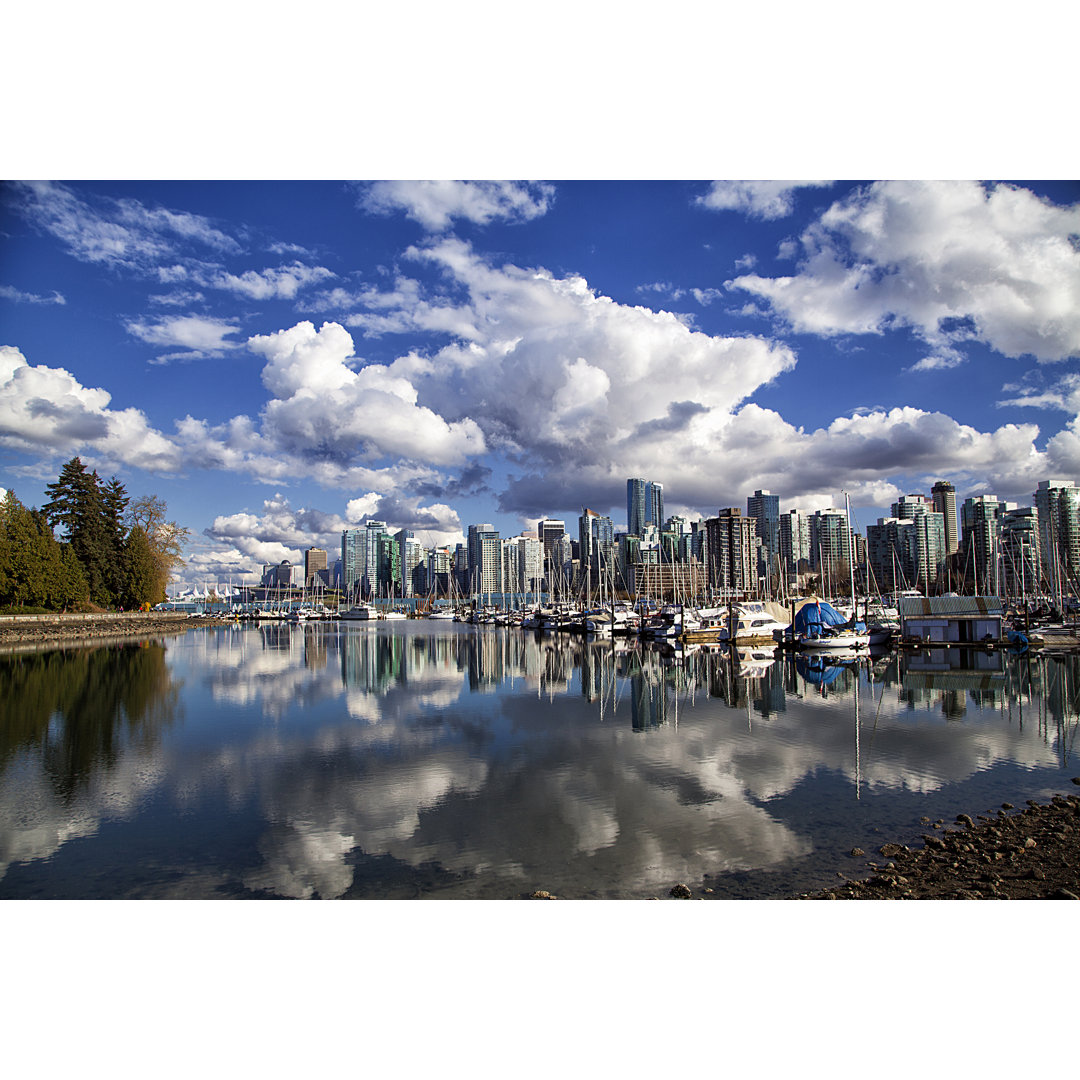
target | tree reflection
[{"x": 80, "y": 709}]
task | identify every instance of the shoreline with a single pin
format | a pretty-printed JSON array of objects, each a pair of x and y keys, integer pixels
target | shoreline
[
  {"x": 66, "y": 629},
  {"x": 1029, "y": 854}
]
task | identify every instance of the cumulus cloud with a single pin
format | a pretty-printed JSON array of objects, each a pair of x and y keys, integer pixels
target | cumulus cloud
[
  {"x": 435, "y": 204},
  {"x": 325, "y": 399},
  {"x": 766, "y": 200},
  {"x": 953, "y": 260},
  {"x": 563, "y": 375},
  {"x": 45, "y": 409}
]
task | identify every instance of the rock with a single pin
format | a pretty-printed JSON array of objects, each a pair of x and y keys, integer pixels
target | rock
[
  {"x": 681, "y": 892},
  {"x": 1076, "y": 779},
  {"x": 1064, "y": 894},
  {"x": 963, "y": 819},
  {"x": 1006, "y": 806},
  {"x": 542, "y": 894},
  {"x": 890, "y": 851},
  {"x": 857, "y": 853},
  {"x": 1029, "y": 843}
]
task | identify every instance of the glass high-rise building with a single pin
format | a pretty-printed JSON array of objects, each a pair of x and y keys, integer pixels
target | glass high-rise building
[
  {"x": 644, "y": 506},
  {"x": 943, "y": 497},
  {"x": 1058, "y": 504}
]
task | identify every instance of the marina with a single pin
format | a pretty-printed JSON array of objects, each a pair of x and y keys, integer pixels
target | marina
[{"x": 402, "y": 759}]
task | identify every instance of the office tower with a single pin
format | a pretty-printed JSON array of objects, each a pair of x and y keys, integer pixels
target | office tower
[
  {"x": 549, "y": 531},
  {"x": 765, "y": 509},
  {"x": 1058, "y": 504},
  {"x": 980, "y": 540},
  {"x": 353, "y": 550},
  {"x": 523, "y": 564},
  {"x": 360, "y": 557},
  {"x": 596, "y": 534},
  {"x": 943, "y": 497},
  {"x": 929, "y": 552},
  {"x": 315, "y": 559},
  {"x": 438, "y": 565},
  {"x": 829, "y": 549},
  {"x": 410, "y": 557},
  {"x": 730, "y": 543},
  {"x": 484, "y": 559},
  {"x": 890, "y": 548},
  {"x": 794, "y": 532},
  {"x": 644, "y": 506},
  {"x": 1020, "y": 561}
]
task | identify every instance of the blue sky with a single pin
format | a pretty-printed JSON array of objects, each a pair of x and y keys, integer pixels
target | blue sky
[{"x": 281, "y": 360}]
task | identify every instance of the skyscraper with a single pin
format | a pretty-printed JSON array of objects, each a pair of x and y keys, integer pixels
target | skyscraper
[
  {"x": 596, "y": 535},
  {"x": 729, "y": 544},
  {"x": 764, "y": 508},
  {"x": 644, "y": 506},
  {"x": 980, "y": 538},
  {"x": 943, "y": 496},
  {"x": 1058, "y": 504},
  {"x": 314, "y": 562},
  {"x": 485, "y": 559}
]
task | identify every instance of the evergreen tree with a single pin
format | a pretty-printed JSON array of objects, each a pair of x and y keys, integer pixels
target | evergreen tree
[
  {"x": 140, "y": 575},
  {"x": 114, "y": 500},
  {"x": 77, "y": 503},
  {"x": 35, "y": 570}
]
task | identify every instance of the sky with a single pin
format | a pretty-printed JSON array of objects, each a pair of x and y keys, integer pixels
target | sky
[{"x": 280, "y": 360}]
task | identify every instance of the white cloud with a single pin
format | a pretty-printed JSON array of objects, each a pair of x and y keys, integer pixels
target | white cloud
[
  {"x": 282, "y": 283},
  {"x": 9, "y": 292},
  {"x": 548, "y": 341},
  {"x": 48, "y": 409},
  {"x": 763, "y": 199},
  {"x": 953, "y": 260},
  {"x": 320, "y": 402},
  {"x": 436, "y": 203},
  {"x": 118, "y": 232},
  {"x": 202, "y": 335}
]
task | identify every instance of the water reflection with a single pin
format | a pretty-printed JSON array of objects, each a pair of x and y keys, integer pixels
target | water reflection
[{"x": 337, "y": 761}]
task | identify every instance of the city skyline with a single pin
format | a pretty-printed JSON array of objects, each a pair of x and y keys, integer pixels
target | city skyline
[{"x": 282, "y": 361}]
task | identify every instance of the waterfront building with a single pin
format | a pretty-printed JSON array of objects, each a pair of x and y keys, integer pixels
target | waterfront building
[
  {"x": 677, "y": 539},
  {"x": 484, "y": 559},
  {"x": 410, "y": 557},
  {"x": 523, "y": 564},
  {"x": 943, "y": 498},
  {"x": 892, "y": 547},
  {"x": 360, "y": 558},
  {"x": 730, "y": 552},
  {"x": 1020, "y": 561},
  {"x": 438, "y": 567},
  {"x": 929, "y": 549},
  {"x": 794, "y": 537},
  {"x": 1058, "y": 504},
  {"x": 764, "y": 508},
  {"x": 549, "y": 530},
  {"x": 596, "y": 552},
  {"x": 669, "y": 582},
  {"x": 980, "y": 541},
  {"x": 644, "y": 505},
  {"x": 315, "y": 562},
  {"x": 829, "y": 550}
]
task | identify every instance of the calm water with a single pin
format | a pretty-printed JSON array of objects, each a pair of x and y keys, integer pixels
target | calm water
[{"x": 435, "y": 760}]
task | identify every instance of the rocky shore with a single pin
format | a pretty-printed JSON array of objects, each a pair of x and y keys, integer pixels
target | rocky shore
[
  {"x": 1030, "y": 854},
  {"x": 52, "y": 630}
]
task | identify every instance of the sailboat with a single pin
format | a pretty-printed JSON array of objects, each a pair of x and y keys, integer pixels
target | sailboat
[{"x": 819, "y": 626}]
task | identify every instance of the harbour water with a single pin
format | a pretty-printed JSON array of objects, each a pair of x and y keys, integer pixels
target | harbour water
[{"x": 444, "y": 761}]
